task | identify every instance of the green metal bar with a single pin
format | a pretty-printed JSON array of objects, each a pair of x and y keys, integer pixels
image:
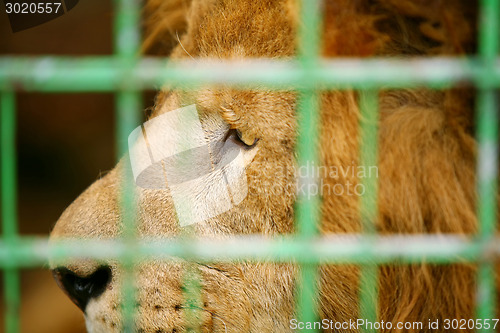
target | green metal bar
[
  {"x": 489, "y": 27},
  {"x": 9, "y": 171},
  {"x": 128, "y": 106},
  {"x": 486, "y": 296},
  {"x": 12, "y": 288},
  {"x": 191, "y": 279},
  {"x": 105, "y": 74},
  {"x": 307, "y": 212},
  {"x": 487, "y": 165},
  {"x": 128, "y": 113},
  {"x": 126, "y": 28},
  {"x": 345, "y": 249},
  {"x": 192, "y": 296},
  {"x": 368, "y": 103},
  {"x": 487, "y": 168},
  {"x": 368, "y": 293},
  {"x": 191, "y": 275},
  {"x": 487, "y": 129},
  {"x": 308, "y": 204},
  {"x": 309, "y": 32}
]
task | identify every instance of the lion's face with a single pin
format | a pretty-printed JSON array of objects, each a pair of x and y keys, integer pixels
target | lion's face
[
  {"x": 235, "y": 297},
  {"x": 426, "y": 168}
]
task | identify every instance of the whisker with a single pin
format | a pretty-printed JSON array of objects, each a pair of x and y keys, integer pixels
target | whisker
[{"x": 180, "y": 43}]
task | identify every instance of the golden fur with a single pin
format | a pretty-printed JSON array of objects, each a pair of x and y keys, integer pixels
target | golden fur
[{"x": 426, "y": 166}]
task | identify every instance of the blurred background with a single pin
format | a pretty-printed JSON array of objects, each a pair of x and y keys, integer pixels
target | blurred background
[{"x": 65, "y": 142}]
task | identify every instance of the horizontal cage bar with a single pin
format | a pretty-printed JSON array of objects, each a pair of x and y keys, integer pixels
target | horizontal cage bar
[
  {"x": 108, "y": 74},
  {"x": 351, "y": 248}
]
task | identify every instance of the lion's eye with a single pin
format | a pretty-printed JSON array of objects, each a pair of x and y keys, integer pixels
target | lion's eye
[{"x": 247, "y": 140}]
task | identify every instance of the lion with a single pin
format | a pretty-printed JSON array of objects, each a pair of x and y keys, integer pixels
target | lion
[{"x": 426, "y": 171}]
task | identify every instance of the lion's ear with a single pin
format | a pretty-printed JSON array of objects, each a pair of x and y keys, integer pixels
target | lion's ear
[{"x": 164, "y": 22}]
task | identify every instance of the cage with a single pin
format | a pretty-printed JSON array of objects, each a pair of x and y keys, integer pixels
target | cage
[{"x": 126, "y": 74}]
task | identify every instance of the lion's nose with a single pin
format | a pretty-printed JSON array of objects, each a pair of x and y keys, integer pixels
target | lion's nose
[{"x": 82, "y": 289}]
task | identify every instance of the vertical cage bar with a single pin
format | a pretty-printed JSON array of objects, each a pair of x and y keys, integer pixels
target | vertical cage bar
[
  {"x": 308, "y": 210},
  {"x": 128, "y": 104},
  {"x": 368, "y": 293},
  {"x": 9, "y": 207},
  {"x": 487, "y": 167},
  {"x": 126, "y": 29},
  {"x": 308, "y": 204},
  {"x": 487, "y": 189},
  {"x": 192, "y": 296},
  {"x": 489, "y": 27}
]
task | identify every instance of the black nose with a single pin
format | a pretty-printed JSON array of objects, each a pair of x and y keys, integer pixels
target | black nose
[{"x": 82, "y": 289}]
